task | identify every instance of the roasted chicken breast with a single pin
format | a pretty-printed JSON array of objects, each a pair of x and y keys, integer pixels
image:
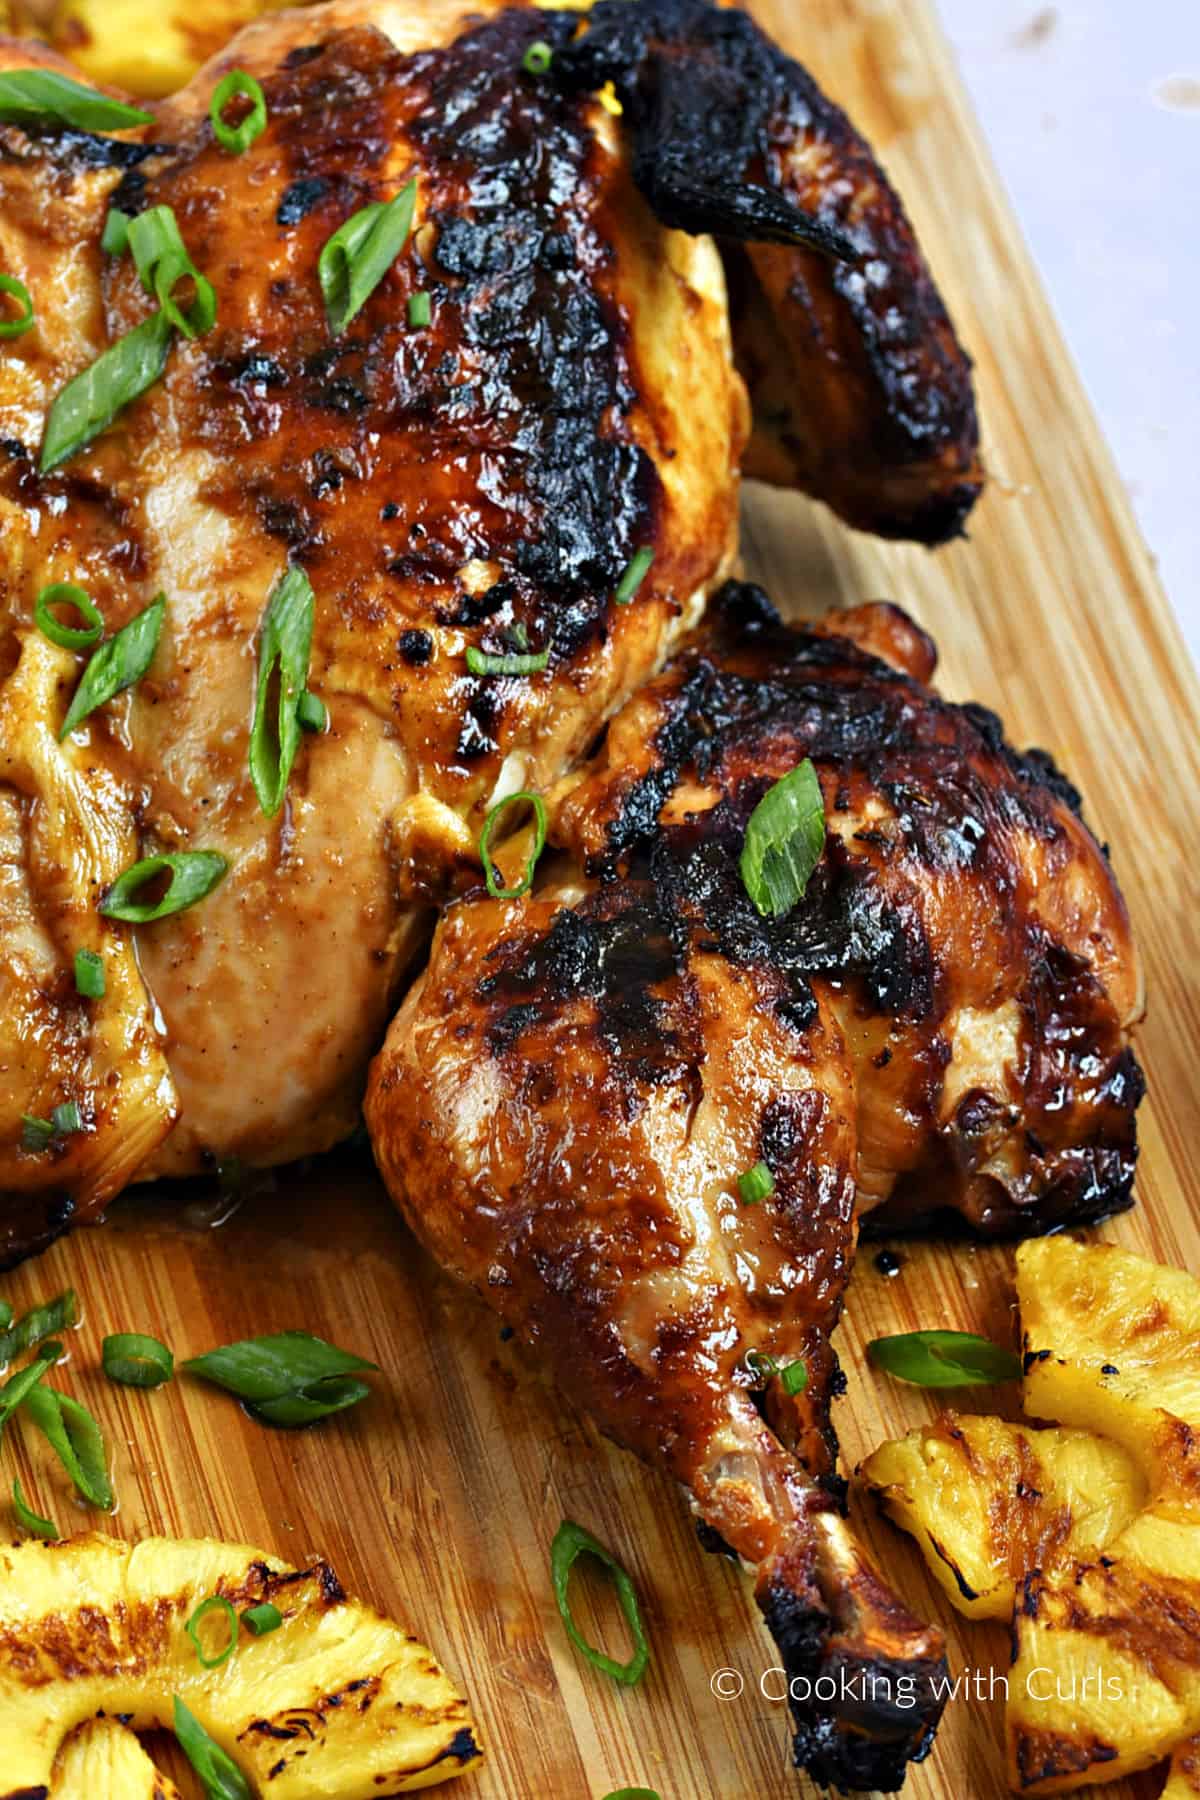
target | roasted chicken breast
[
  {"x": 478, "y": 483},
  {"x": 571, "y": 1094}
]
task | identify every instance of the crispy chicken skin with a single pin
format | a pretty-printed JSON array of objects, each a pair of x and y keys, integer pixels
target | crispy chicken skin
[{"x": 570, "y": 1091}]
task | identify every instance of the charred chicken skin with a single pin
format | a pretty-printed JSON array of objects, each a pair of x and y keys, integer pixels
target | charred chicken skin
[
  {"x": 478, "y": 483},
  {"x": 570, "y": 1092}
]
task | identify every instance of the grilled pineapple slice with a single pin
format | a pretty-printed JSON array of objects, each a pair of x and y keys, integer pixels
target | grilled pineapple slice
[
  {"x": 1183, "y": 1782},
  {"x": 149, "y": 47},
  {"x": 1106, "y": 1678},
  {"x": 104, "y": 1758},
  {"x": 336, "y": 1704},
  {"x": 988, "y": 1500}
]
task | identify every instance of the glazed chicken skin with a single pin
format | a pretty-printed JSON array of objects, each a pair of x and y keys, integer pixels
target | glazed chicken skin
[
  {"x": 570, "y": 1092},
  {"x": 479, "y": 483}
]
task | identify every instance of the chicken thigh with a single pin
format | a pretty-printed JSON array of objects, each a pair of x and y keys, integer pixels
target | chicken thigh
[
  {"x": 478, "y": 483},
  {"x": 633, "y": 1113}
]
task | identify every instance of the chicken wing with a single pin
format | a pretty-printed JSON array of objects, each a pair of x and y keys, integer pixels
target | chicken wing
[{"x": 570, "y": 1096}]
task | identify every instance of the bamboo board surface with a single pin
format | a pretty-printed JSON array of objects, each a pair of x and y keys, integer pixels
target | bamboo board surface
[{"x": 437, "y": 1499}]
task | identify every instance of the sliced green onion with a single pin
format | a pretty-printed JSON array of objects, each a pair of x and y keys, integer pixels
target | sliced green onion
[
  {"x": 30, "y": 1521},
  {"x": 89, "y": 975},
  {"x": 793, "y": 1378},
  {"x": 14, "y": 328},
  {"x": 163, "y": 262},
  {"x": 420, "y": 310},
  {"x": 537, "y": 58},
  {"x": 785, "y": 836},
  {"x": 116, "y": 665},
  {"x": 634, "y": 1794},
  {"x": 237, "y": 138},
  {"x": 47, "y": 1320},
  {"x": 219, "y": 1775},
  {"x": 262, "y": 1618},
  {"x": 114, "y": 239},
  {"x": 76, "y": 1440},
  {"x": 481, "y": 662},
  {"x": 137, "y": 1360},
  {"x": 214, "y": 1603},
  {"x": 194, "y": 873},
  {"x": 312, "y": 714},
  {"x": 944, "y": 1359},
  {"x": 285, "y": 640},
  {"x": 539, "y": 844},
  {"x": 68, "y": 637},
  {"x": 360, "y": 253},
  {"x": 18, "y": 1387},
  {"x": 762, "y": 1367},
  {"x": 288, "y": 1379},
  {"x": 90, "y": 403},
  {"x": 635, "y": 573},
  {"x": 570, "y": 1542},
  {"x": 756, "y": 1184},
  {"x": 28, "y": 95},
  {"x": 39, "y": 1134},
  {"x": 6, "y": 1314}
]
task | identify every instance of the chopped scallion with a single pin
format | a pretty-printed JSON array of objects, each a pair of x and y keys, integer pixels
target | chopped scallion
[
  {"x": 944, "y": 1359},
  {"x": 76, "y": 1439},
  {"x": 117, "y": 664},
  {"x": 481, "y": 662},
  {"x": 219, "y": 1775},
  {"x": 539, "y": 844},
  {"x": 420, "y": 310},
  {"x": 570, "y": 1542},
  {"x": 194, "y": 874},
  {"x": 214, "y": 1604},
  {"x": 238, "y": 138},
  {"x": 30, "y": 1521},
  {"x": 756, "y": 1184},
  {"x": 794, "y": 1377},
  {"x": 285, "y": 642},
  {"x": 359, "y": 254},
  {"x": 114, "y": 239},
  {"x": 635, "y": 573},
  {"x": 785, "y": 836},
  {"x": 134, "y": 1359},
  {"x": 537, "y": 58},
  {"x": 312, "y": 714},
  {"x": 41, "y": 96},
  {"x": 262, "y": 1618},
  {"x": 68, "y": 637},
  {"x": 23, "y": 322},
  {"x": 89, "y": 975},
  {"x": 89, "y": 404},
  {"x": 18, "y": 1387},
  {"x": 39, "y": 1134},
  {"x": 288, "y": 1379},
  {"x": 163, "y": 262},
  {"x": 44, "y": 1321}
]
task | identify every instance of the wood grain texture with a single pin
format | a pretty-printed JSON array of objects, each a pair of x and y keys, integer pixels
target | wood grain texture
[{"x": 438, "y": 1498}]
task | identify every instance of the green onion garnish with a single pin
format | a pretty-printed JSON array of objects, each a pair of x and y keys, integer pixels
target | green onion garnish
[
  {"x": 539, "y": 844},
  {"x": 28, "y": 1519},
  {"x": 18, "y": 1387},
  {"x": 68, "y": 637},
  {"x": 944, "y": 1359},
  {"x": 90, "y": 403},
  {"x": 312, "y": 714},
  {"x": 6, "y": 1314},
  {"x": 571, "y": 1541},
  {"x": 219, "y": 1775},
  {"x": 785, "y": 836},
  {"x": 75, "y": 1437},
  {"x": 537, "y": 58},
  {"x": 17, "y": 327},
  {"x": 762, "y": 1367},
  {"x": 214, "y": 1603},
  {"x": 285, "y": 640},
  {"x": 360, "y": 253},
  {"x": 39, "y": 1134},
  {"x": 289, "y": 1379},
  {"x": 794, "y": 1377},
  {"x": 116, "y": 665},
  {"x": 634, "y": 1794},
  {"x": 89, "y": 975},
  {"x": 420, "y": 310},
  {"x": 262, "y": 1618},
  {"x": 480, "y": 662},
  {"x": 194, "y": 873},
  {"x": 756, "y": 1184},
  {"x": 114, "y": 239},
  {"x": 237, "y": 138},
  {"x": 137, "y": 1360},
  {"x": 44, "y": 1321},
  {"x": 163, "y": 262},
  {"x": 28, "y": 95},
  {"x": 635, "y": 573}
]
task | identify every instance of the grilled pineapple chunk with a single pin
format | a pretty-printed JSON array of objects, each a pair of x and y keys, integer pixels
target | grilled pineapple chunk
[
  {"x": 988, "y": 1500},
  {"x": 1183, "y": 1782},
  {"x": 104, "y": 1758},
  {"x": 336, "y": 1704},
  {"x": 149, "y": 47}
]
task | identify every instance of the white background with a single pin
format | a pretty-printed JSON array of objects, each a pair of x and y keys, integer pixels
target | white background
[{"x": 1092, "y": 111}]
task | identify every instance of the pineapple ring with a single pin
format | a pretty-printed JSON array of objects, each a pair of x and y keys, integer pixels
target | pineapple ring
[
  {"x": 104, "y": 1757},
  {"x": 338, "y": 1703}
]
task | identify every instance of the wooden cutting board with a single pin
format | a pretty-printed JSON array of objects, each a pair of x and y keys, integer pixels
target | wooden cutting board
[{"x": 439, "y": 1497}]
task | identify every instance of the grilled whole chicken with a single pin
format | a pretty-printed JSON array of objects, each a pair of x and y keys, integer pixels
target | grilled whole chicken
[
  {"x": 480, "y": 483},
  {"x": 570, "y": 1093}
]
